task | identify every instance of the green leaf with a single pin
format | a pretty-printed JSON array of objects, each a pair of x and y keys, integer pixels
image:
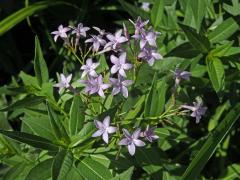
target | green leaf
[
  {"x": 15, "y": 18},
  {"x": 18, "y": 172},
  {"x": 234, "y": 9},
  {"x": 23, "y": 103},
  {"x": 62, "y": 164},
  {"x": 197, "y": 40},
  {"x": 223, "y": 31},
  {"x": 40, "y": 66},
  {"x": 40, "y": 125},
  {"x": 134, "y": 111},
  {"x": 157, "y": 12},
  {"x": 91, "y": 169},
  {"x": 155, "y": 101},
  {"x": 126, "y": 175},
  {"x": 185, "y": 50},
  {"x": 76, "y": 115},
  {"x": 133, "y": 10},
  {"x": 213, "y": 140},
  {"x": 57, "y": 126},
  {"x": 30, "y": 139},
  {"x": 216, "y": 72},
  {"x": 232, "y": 172},
  {"x": 199, "y": 8},
  {"x": 41, "y": 171}
]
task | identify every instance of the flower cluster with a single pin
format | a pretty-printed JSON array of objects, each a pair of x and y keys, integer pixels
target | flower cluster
[
  {"x": 143, "y": 46},
  {"x": 129, "y": 140}
]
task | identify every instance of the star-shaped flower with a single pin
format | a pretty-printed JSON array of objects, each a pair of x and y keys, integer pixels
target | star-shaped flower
[
  {"x": 104, "y": 129},
  {"x": 150, "y": 55},
  {"x": 179, "y": 75},
  {"x": 62, "y": 32},
  {"x": 145, "y": 38},
  {"x": 120, "y": 64},
  {"x": 64, "y": 82},
  {"x": 96, "y": 41},
  {"x": 80, "y": 30},
  {"x": 95, "y": 85},
  {"x": 89, "y": 68},
  {"x": 115, "y": 40},
  {"x": 131, "y": 140},
  {"x": 139, "y": 25},
  {"x": 101, "y": 31},
  {"x": 198, "y": 110},
  {"x": 149, "y": 134},
  {"x": 120, "y": 85}
]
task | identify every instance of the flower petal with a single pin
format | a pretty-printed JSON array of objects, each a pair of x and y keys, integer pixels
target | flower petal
[
  {"x": 105, "y": 137},
  {"x": 131, "y": 149},
  {"x": 106, "y": 121},
  {"x": 124, "y": 141},
  {"x": 97, "y": 133},
  {"x": 139, "y": 143}
]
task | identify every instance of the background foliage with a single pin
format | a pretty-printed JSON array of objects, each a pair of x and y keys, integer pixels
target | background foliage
[{"x": 201, "y": 36}]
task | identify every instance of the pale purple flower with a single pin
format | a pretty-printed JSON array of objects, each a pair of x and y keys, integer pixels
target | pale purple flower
[
  {"x": 150, "y": 55},
  {"x": 61, "y": 32},
  {"x": 198, "y": 110},
  {"x": 96, "y": 41},
  {"x": 101, "y": 31},
  {"x": 145, "y": 6},
  {"x": 149, "y": 134},
  {"x": 179, "y": 75},
  {"x": 120, "y": 85},
  {"x": 64, "y": 82},
  {"x": 120, "y": 64},
  {"x": 95, "y": 85},
  {"x": 89, "y": 68},
  {"x": 139, "y": 25},
  {"x": 115, "y": 40},
  {"x": 145, "y": 38},
  {"x": 131, "y": 140},
  {"x": 80, "y": 30},
  {"x": 104, "y": 129}
]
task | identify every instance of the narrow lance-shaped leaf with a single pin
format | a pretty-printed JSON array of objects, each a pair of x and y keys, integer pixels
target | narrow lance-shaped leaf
[
  {"x": 30, "y": 139},
  {"x": 223, "y": 31},
  {"x": 62, "y": 164},
  {"x": 91, "y": 169},
  {"x": 15, "y": 18},
  {"x": 76, "y": 115},
  {"x": 157, "y": 12},
  {"x": 57, "y": 126},
  {"x": 197, "y": 40},
  {"x": 216, "y": 72},
  {"x": 23, "y": 103},
  {"x": 210, "y": 146},
  {"x": 40, "y": 66},
  {"x": 41, "y": 171}
]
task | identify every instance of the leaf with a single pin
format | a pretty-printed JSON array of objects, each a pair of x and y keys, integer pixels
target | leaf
[
  {"x": 30, "y": 139},
  {"x": 126, "y": 175},
  {"x": 15, "y": 18},
  {"x": 54, "y": 122},
  {"x": 234, "y": 9},
  {"x": 155, "y": 100},
  {"x": 40, "y": 66},
  {"x": 199, "y": 8},
  {"x": 133, "y": 10},
  {"x": 134, "y": 111},
  {"x": 197, "y": 40},
  {"x": 23, "y": 103},
  {"x": 216, "y": 73},
  {"x": 210, "y": 145},
  {"x": 232, "y": 172},
  {"x": 62, "y": 164},
  {"x": 185, "y": 50},
  {"x": 41, "y": 171},
  {"x": 91, "y": 169},
  {"x": 18, "y": 171},
  {"x": 157, "y": 12},
  {"x": 76, "y": 115},
  {"x": 223, "y": 31}
]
